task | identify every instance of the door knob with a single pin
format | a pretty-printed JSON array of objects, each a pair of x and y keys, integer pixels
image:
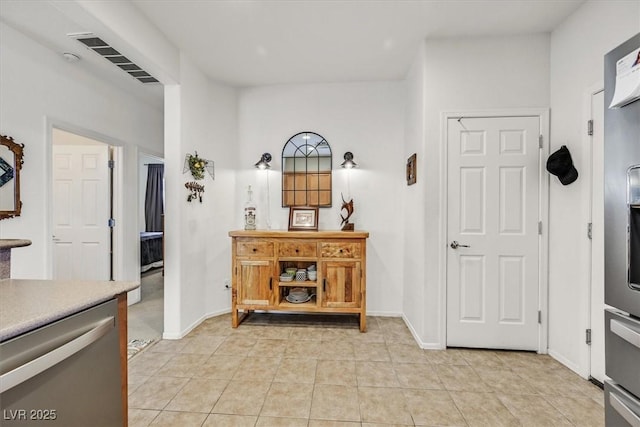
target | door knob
[{"x": 456, "y": 245}]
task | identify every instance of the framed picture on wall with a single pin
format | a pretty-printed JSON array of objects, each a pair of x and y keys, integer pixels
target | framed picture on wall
[
  {"x": 303, "y": 218},
  {"x": 411, "y": 169}
]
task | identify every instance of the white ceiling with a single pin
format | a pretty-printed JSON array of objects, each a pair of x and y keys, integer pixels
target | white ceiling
[
  {"x": 44, "y": 22},
  {"x": 249, "y": 43}
]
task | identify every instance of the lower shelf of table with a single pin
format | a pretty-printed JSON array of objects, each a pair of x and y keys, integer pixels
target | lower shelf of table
[
  {"x": 285, "y": 306},
  {"x": 312, "y": 304}
]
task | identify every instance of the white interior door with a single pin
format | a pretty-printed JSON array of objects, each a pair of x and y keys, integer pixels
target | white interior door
[
  {"x": 596, "y": 349},
  {"x": 81, "y": 211},
  {"x": 493, "y": 214}
]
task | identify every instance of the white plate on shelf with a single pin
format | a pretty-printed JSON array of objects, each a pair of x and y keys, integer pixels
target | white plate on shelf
[
  {"x": 298, "y": 301},
  {"x": 286, "y": 278}
]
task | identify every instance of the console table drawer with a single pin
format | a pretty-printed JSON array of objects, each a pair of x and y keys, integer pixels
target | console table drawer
[
  {"x": 254, "y": 248},
  {"x": 297, "y": 249},
  {"x": 340, "y": 250}
]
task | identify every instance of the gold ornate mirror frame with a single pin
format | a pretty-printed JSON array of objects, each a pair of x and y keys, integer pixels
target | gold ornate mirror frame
[{"x": 11, "y": 160}]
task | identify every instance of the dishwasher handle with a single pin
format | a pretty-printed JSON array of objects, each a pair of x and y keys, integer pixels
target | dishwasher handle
[
  {"x": 36, "y": 366},
  {"x": 624, "y": 411},
  {"x": 625, "y": 332}
]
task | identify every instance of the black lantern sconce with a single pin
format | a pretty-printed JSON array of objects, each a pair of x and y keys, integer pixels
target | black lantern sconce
[
  {"x": 348, "y": 161},
  {"x": 263, "y": 163}
]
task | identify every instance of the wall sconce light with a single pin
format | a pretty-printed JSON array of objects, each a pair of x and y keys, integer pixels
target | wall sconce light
[
  {"x": 348, "y": 161},
  {"x": 263, "y": 163}
]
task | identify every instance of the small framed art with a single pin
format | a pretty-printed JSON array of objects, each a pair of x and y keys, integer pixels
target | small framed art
[
  {"x": 412, "y": 165},
  {"x": 303, "y": 218}
]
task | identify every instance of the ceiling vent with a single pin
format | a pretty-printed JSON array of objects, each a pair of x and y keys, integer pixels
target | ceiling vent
[{"x": 103, "y": 49}]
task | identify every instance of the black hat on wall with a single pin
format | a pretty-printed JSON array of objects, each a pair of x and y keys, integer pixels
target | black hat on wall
[{"x": 561, "y": 165}]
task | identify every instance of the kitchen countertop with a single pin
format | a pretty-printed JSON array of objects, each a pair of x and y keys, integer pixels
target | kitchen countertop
[
  {"x": 28, "y": 304},
  {"x": 13, "y": 243}
]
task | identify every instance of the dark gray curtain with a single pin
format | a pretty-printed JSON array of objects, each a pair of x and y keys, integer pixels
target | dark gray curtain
[{"x": 153, "y": 203}]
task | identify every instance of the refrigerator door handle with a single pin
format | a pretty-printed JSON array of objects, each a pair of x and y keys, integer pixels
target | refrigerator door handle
[
  {"x": 625, "y": 332},
  {"x": 34, "y": 367},
  {"x": 624, "y": 411}
]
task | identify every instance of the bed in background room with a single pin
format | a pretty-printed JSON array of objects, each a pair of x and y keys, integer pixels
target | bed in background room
[
  {"x": 150, "y": 250},
  {"x": 151, "y": 240}
]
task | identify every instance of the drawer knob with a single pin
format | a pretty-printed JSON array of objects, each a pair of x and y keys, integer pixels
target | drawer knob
[
  {"x": 297, "y": 250},
  {"x": 340, "y": 250},
  {"x": 255, "y": 249}
]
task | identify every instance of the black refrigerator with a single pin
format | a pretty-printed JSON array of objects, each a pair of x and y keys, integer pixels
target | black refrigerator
[{"x": 622, "y": 233}]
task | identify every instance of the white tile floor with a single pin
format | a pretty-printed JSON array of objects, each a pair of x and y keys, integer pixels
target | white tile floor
[{"x": 272, "y": 372}]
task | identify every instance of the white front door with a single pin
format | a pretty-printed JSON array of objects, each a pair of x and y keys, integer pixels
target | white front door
[
  {"x": 81, "y": 211},
  {"x": 493, "y": 214},
  {"x": 597, "y": 239}
]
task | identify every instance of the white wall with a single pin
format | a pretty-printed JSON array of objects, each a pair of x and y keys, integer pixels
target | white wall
[
  {"x": 364, "y": 118},
  {"x": 414, "y": 304},
  {"x": 201, "y": 116},
  {"x": 39, "y": 89},
  {"x": 460, "y": 75},
  {"x": 577, "y": 49}
]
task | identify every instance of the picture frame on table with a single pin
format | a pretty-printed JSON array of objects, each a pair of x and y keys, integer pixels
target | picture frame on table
[{"x": 303, "y": 218}]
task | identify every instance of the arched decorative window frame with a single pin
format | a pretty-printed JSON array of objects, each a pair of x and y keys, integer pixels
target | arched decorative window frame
[{"x": 307, "y": 163}]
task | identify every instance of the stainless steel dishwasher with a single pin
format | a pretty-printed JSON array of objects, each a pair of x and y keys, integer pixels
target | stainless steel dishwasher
[{"x": 66, "y": 373}]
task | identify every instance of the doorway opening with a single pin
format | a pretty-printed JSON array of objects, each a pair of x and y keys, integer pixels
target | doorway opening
[{"x": 146, "y": 317}]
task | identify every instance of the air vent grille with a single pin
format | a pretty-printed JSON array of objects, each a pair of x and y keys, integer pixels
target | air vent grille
[
  {"x": 129, "y": 67},
  {"x": 119, "y": 59},
  {"x": 92, "y": 41},
  {"x": 106, "y": 51},
  {"x": 103, "y": 49}
]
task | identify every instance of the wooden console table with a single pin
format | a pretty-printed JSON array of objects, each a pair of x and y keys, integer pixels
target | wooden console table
[{"x": 260, "y": 257}]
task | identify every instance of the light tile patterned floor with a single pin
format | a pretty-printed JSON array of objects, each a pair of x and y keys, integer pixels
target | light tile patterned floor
[{"x": 271, "y": 372}]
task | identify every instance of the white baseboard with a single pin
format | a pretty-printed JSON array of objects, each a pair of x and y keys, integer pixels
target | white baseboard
[
  {"x": 184, "y": 333},
  {"x": 421, "y": 344},
  {"x": 218, "y": 313},
  {"x": 566, "y": 362},
  {"x": 384, "y": 313}
]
